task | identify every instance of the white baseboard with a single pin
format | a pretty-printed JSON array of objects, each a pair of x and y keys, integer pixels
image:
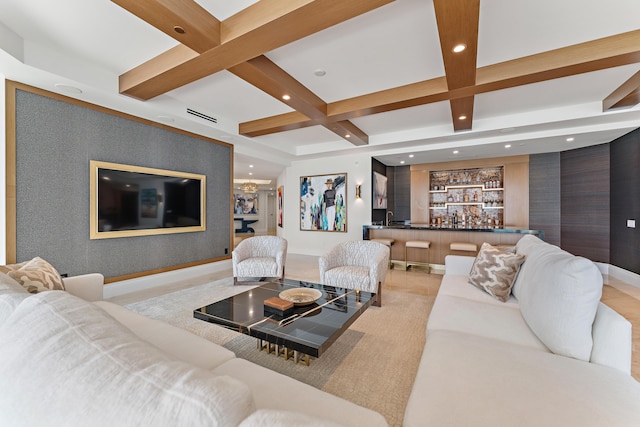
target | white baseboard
[
  {"x": 147, "y": 282},
  {"x": 624, "y": 275}
]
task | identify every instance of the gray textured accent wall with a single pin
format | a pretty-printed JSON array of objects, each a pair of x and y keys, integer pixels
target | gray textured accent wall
[
  {"x": 544, "y": 195},
  {"x": 55, "y": 141}
]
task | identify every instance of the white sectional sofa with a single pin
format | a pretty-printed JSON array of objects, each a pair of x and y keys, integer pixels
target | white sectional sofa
[
  {"x": 65, "y": 361},
  {"x": 551, "y": 355}
]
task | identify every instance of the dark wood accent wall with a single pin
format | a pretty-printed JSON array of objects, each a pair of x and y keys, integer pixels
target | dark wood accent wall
[
  {"x": 401, "y": 191},
  {"x": 625, "y": 201},
  {"x": 584, "y": 209},
  {"x": 544, "y": 195},
  {"x": 378, "y": 215}
]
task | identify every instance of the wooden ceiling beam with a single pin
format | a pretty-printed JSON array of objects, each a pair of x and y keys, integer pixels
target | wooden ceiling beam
[
  {"x": 265, "y": 75},
  {"x": 260, "y": 28},
  {"x": 458, "y": 26},
  {"x": 262, "y": 73},
  {"x": 462, "y": 113},
  {"x": 613, "y": 51},
  {"x": 347, "y": 130},
  {"x": 184, "y": 20},
  {"x": 627, "y": 95}
]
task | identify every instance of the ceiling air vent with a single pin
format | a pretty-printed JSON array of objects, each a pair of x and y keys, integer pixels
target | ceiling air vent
[{"x": 201, "y": 115}]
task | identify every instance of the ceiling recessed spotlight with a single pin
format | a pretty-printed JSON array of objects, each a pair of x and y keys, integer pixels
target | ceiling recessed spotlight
[
  {"x": 250, "y": 173},
  {"x": 507, "y": 146},
  {"x": 570, "y": 139},
  {"x": 402, "y": 162},
  {"x": 455, "y": 151},
  {"x": 178, "y": 29},
  {"x": 347, "y": 136},
  {"x": 320, "y": 72},
  {"x": 410, "y": 156},
  {"x": 463, "y": 117},
  {"x": 250, "y": 166},
  {"x": 459, "y": 48},
  {"x": 68, "y": 89},
  {"x": 286, "y": 97}
]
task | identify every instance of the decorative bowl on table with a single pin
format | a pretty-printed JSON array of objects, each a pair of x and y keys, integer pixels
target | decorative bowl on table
[{"x": 301, "y": 296}]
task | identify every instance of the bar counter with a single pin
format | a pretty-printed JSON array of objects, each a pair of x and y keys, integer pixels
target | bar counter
[{"x": 440, "y": 238}]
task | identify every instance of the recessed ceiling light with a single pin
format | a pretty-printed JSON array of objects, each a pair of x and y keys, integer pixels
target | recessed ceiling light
[
  {"x": 320, "y": 72},
  {"x": 402, "y": 162},
  {"x": 286, "y": 97},
  {"x": 459, "y": 48},
  {"x": 410, "y": 155},
  {"x": 455, "y": 151},
  {"x": 250, "y": 173},
  {"x": 178, "y": 29},
  {"x": 347, "y": 136},
  {"x": 463, "y": 117},
  {"x": 570, "y": 139},
  {"x": 507, "y": 146},
  {"x": 68, "y": 89},
  {"x": 250, "y": 166}
]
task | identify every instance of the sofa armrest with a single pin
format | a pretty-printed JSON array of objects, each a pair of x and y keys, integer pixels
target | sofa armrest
[
  {"x": 612, "y": 340},
  {"x": 86, "y": 286},
  {"x": 458, "y": 264}
]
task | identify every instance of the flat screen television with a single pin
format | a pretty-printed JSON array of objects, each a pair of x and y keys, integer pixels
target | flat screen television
[{"x": 131, "y": 200}]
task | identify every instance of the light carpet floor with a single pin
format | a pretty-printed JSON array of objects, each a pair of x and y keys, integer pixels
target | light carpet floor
[{"x": 373, "y": 364}]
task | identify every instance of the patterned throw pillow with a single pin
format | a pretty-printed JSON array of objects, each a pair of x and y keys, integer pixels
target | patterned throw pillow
[
  {"x": 494, "y": 271},
  {"x": 35, "y": 276}
]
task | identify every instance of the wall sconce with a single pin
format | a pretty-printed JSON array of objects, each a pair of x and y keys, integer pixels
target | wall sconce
[{"x": 357, "y": 191}]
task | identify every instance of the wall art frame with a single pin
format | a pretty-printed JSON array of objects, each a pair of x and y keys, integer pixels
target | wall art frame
[{"x": 323, "y": 202}]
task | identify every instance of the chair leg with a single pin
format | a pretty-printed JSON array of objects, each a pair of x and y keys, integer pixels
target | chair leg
[
  {"x": 378, "y": 302},
  {"x": 235, "y": 281}
]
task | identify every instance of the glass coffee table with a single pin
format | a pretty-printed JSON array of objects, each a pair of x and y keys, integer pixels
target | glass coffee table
[{"x": 305, "y": 333}]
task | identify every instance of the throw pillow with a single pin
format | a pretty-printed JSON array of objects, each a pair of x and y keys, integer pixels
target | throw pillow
[
  {"x": 559, "y": 300},
  {"x": 494, "y": 271},
  {"x": 35, "y": 276}
]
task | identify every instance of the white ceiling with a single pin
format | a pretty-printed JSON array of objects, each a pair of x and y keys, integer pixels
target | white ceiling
[{"x": 89, "y": 43}]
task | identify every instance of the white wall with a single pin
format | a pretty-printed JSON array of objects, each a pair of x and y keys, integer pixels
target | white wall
[
  {"x": 3, "y": 186},
  {"x": 358, "y": 170}
]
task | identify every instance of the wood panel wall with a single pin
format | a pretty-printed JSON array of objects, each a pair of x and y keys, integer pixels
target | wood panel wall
[
  {"x": 544, "y": 195},
  {"x": 625, "y": 202},
  {"x": 516, "y": 192},
  {"x": 584, "y": 209}
]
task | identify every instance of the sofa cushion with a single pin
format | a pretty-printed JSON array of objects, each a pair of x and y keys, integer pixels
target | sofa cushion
[
  {"x": 11, "y": 295},
  {"x": 495, "y": 271},
  {"x": 558, "y": 297},
  {"x": 273, "y": 418},
  {"x": 173, "y": 341},
  {"x": 65, "y": 362},
  {"x": 35, "y": 275},
  {"x": 278, "y": 392},
  {"x": 497, "y": 321},
  {"x": 466, "y": 380}
]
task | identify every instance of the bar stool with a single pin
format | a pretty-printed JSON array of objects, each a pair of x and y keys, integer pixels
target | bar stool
[
  {"x": 463, "y": 247},
  {"x": 387, "y": 242},
  {"x": 419, "y": 244}
]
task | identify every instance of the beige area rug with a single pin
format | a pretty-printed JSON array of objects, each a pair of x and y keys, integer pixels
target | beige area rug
[{"x": 373, "y": 364}]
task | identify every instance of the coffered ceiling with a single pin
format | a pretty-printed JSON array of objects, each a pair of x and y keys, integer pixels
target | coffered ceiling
[{"x": 374, "y": 76}]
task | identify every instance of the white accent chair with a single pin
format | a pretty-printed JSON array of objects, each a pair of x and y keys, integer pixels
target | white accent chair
[
  {"x": 259, "y": 256},
  {"x": 360, "y": 265}
]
